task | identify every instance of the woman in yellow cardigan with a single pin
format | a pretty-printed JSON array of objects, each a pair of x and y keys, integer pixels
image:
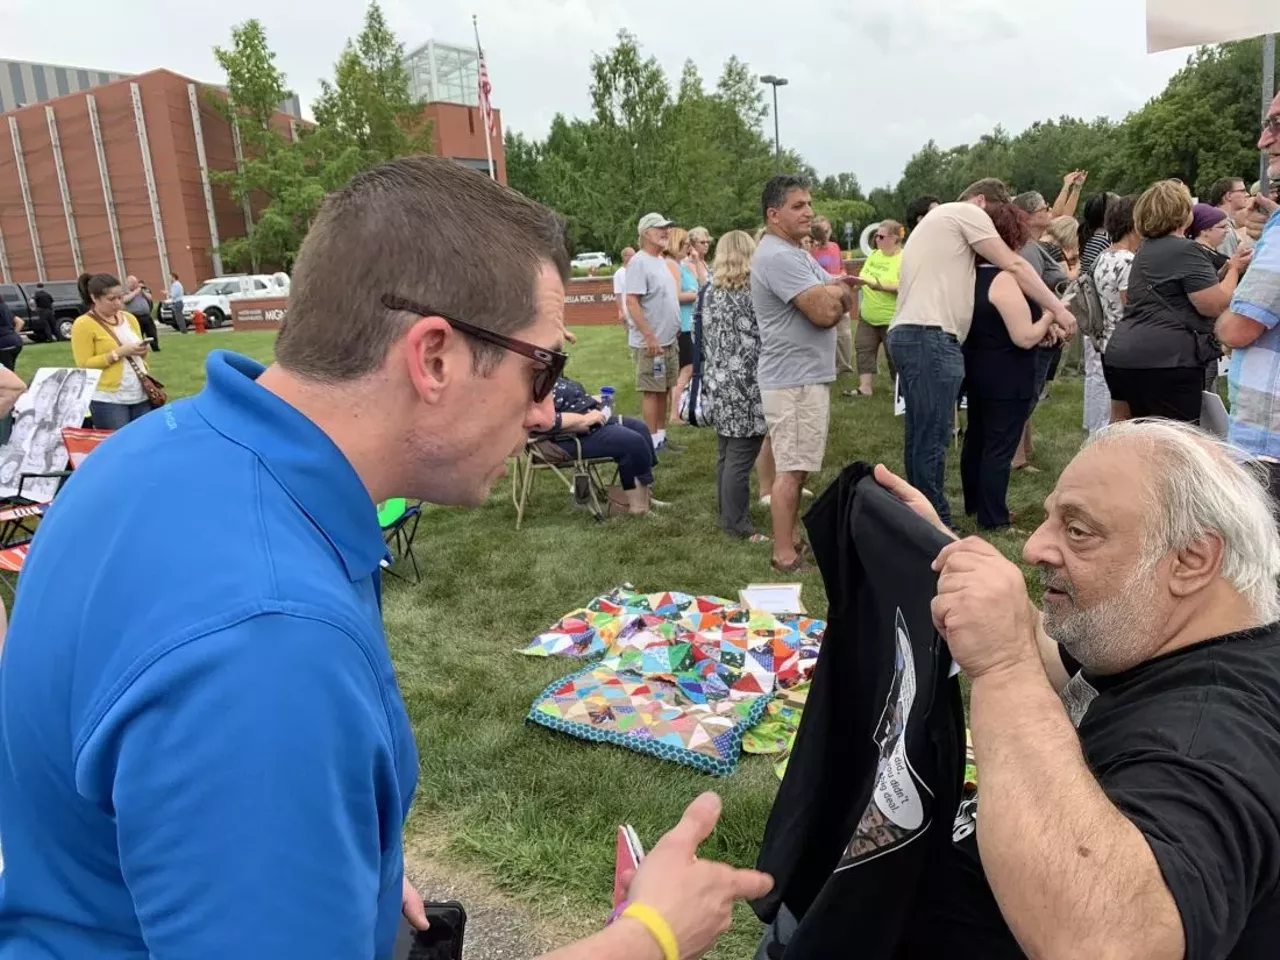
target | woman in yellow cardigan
[{"x": 119, "y": 398}]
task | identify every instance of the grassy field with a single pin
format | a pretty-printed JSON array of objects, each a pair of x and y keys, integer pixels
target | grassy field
[{"x": 533, "y": 810}]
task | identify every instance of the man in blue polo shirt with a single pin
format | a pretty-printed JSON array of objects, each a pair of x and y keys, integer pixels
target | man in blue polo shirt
[{"x": 223, "y": 770}]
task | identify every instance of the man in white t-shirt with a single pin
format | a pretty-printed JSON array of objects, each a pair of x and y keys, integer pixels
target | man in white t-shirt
[
  {"x": 935, "y": 309},
  {"x": 620, "y": 285}
]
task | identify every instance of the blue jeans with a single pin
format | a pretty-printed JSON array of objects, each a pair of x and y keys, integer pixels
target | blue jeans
[
  {"x": 931, "y": 366},
  {"x": 113, "y": 416}
]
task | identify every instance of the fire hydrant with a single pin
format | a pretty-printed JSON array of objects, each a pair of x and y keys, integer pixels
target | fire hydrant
[{"x": 197, "y": 319}]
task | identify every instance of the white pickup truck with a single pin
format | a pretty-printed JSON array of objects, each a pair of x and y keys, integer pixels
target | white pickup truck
[{"x": 214, "y": 296}]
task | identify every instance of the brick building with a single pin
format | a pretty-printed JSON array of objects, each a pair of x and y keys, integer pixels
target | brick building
[{"x": 114, "y": 178}]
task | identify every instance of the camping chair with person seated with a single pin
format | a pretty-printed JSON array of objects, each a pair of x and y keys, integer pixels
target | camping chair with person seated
[
  {"x": 581, "y": 475},
  {"x": 20, "y": 512},
  {"x": 399, "y": 522}
]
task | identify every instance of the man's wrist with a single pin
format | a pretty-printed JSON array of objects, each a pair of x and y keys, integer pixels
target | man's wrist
[
  {"x": 641, "y": 944},
  {"x": 1014, "y": 673}
]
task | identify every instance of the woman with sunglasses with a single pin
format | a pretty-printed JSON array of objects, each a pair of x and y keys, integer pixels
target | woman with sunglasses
[{"x": 879, "y": 281}]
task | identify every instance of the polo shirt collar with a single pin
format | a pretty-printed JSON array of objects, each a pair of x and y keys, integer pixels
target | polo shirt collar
[{"x": 298, "y": 454}]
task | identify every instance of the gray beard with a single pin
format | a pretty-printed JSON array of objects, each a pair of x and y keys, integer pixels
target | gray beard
[{"x": 1106, "y": 637}]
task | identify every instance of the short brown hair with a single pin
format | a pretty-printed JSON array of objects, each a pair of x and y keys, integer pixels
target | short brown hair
[
  {"x": 994, "y": 190},
  {"x": 1162, "y": 209},
  {"x": 426, "y": 229}
]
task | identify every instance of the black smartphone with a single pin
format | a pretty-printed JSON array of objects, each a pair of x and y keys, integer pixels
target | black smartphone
[{"x": 443, "y": 941}]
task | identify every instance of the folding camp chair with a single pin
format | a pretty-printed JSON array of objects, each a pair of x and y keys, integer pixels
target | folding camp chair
[
  {"x": 399, "y": 521},
  {"x": 17, "y": 517},
  {"x": 80, "y": 443},
  {"x": 581, "y": 475}
]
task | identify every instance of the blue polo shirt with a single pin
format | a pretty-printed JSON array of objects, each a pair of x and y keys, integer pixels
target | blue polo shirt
[{"x": 203, "y": 750}]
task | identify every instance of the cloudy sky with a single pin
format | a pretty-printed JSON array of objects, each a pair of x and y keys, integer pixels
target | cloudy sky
[{"x": 870, "y": 81}]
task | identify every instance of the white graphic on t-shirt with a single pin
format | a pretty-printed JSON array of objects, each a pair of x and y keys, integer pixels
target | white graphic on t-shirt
[
  {"x": 896, "y": 812},
  {"x": 1077, "y": 695}
]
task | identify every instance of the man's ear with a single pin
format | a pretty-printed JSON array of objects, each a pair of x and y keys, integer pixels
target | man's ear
[
  {"x": 433, "y": 357},
  {"x": 1196, "y": 566}
]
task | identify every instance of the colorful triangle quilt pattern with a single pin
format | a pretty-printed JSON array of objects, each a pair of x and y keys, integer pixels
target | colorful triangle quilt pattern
[{"x": 675, "y": 676}]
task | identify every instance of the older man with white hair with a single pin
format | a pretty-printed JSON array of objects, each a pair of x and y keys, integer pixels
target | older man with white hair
[{"x": 1130, "y": 772}]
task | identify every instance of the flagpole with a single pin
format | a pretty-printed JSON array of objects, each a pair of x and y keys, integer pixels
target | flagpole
[{"x": 485, "y": 107}]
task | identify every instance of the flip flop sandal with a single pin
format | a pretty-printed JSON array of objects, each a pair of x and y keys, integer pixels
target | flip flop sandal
[
  {"x": 857, "y": 394},
  {"x": 759, "y": 538}
]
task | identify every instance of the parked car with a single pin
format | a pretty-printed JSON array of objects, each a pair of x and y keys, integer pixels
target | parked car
[
  {"x": 588, "y": 260},
  {"x": 214, "y": 296},
  {"x": 20, "y": 299}
]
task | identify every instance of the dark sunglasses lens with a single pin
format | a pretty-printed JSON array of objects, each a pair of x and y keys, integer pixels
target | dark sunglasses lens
[{"x": 544, "y": 380}]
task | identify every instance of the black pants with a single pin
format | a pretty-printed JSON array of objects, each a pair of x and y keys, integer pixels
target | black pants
[
  {"x": 9, "y": 356},
  {"x": 990, "y": 440},
  {"x": 1172, "y": 393},
  {"x": 149, "y": 331},
  {"x": 733, "y": 482},
  {"x": 41, "y": 327}
]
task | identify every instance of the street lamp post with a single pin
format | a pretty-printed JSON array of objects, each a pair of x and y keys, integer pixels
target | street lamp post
[{"x": 775, "y": 82}]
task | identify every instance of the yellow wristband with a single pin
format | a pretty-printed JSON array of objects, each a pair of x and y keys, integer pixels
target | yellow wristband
[{"x": 657, "y": 925}]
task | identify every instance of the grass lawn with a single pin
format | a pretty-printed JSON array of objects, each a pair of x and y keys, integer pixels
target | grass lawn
[{"x": 534, "y": 810}]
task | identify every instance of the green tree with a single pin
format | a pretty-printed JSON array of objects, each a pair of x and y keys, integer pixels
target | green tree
[
  {"x": 1202, "y": 127},
  {"x": 840, "y": 186},
  {"x": 364, "y": 117},
  {"x": 368, "y": 105},
  {"x": 271, "y": 170},
  {"x": 698, "y": 157}
]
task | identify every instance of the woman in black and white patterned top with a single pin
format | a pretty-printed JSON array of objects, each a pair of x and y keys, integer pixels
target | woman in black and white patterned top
[
  {"x": 1111, "y": 277},
  {"x": 731, "y": 351}
]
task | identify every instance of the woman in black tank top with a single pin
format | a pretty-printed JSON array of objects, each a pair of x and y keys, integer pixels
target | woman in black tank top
[{"x": 1000, "y": 373}]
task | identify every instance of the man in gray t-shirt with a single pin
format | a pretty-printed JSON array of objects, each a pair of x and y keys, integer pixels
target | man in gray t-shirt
[
  {"x": 797, "y": 307},
  {"x": 794, "y": 352},
  {"x": 653, "y": 306}
]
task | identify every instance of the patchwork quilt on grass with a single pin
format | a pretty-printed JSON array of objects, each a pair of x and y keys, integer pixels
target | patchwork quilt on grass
[{"x": 675, "y": 676}]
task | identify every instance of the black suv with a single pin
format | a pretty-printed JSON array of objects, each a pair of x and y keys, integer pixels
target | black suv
[{"x": 20, "y": 299}]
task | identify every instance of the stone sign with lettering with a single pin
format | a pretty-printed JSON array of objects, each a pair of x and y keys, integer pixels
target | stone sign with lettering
[{"x": 264, "y": 314}]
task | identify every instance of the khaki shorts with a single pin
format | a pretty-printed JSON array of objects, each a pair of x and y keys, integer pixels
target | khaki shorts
[
  {"x": 797, "y": 419},
  {"x": 646, "y": 380}
]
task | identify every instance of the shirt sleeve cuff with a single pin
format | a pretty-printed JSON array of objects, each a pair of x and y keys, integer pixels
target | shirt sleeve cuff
[{"x": 1252, "y": 311}]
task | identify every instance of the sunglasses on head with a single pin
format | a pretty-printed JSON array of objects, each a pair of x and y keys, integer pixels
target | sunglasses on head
[{"x": 550, "y": 362}]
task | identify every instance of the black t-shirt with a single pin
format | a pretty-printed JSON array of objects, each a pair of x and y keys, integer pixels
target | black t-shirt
[
  {"x": 43, "y": 300},
  {"x": 1188, "y": 748},
  {"x": 876, "y": 770},
  {"x": 1161, "y": 326}
]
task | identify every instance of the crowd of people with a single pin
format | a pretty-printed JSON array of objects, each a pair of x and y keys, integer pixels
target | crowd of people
[{"x": 242, "y": 737}]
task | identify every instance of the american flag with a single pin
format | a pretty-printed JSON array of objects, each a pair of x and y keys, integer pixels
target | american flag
[{"x": 486, "y": 89}]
